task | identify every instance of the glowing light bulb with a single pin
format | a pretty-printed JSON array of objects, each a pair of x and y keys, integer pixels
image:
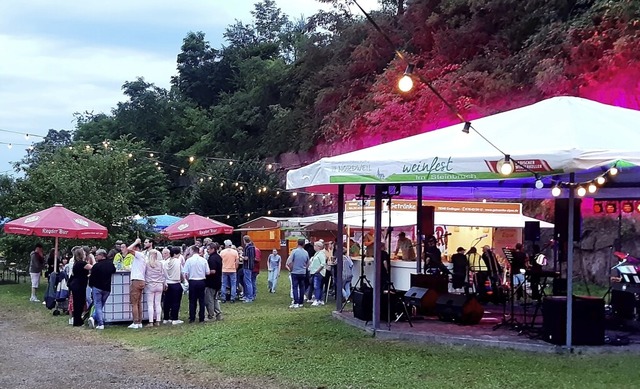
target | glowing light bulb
[
  {"x": 269, "y": 166},
  {"x": 506, "y": 166},
  {"x": 556, "y": 191},
  {"x": 601, "y": 180},
  {"x": 230, "y": 163},
  {"x": 181, "y": 171},
  {"x": 157, "y": 163},
  {"x": 613, "y": 171},
  {"x": 294, "y": 194},
  {"x": 268, "y": 212},
  {"x": 581, "y": 191},
  {"x": 221, "y": 184},
  {"x": 277, "y": 193},
  {"x": 228, "y": 216},
  {"x": 201, "y": 179},
  {"x": 191, "y": 159},
  {"x": 159, "y": 168},
  {"x": 539, "y": 184},
  {"x": 151, "y": 155},
  {"x": 130, "y": 155},
  {"x": 405, "y": 84},
  {"x": 592, "y": 188},
  {"x": 241, "y": 187}
]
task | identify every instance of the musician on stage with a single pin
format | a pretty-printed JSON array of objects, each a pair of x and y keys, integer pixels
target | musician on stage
[
  {"x": 535, "y": 271},
  {"x": 492, "y": 264},
  {"x": 520, "y": 262},
  {"x": 433, "y": 257},
  {"x": 460, "y": 270}
]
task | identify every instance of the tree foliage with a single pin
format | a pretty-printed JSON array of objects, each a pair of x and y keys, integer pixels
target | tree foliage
[{"x": 326, "y": 84}]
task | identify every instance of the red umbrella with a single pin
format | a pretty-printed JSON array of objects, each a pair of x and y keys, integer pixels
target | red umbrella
[
  {"x": 193, "y": 226},
  {"x": 57, "y": 222}
]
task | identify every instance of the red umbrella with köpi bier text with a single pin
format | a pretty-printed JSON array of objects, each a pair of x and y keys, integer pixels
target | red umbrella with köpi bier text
[
  {"x": 57, "y": 222},
  {"x": 194, "y": 226}
]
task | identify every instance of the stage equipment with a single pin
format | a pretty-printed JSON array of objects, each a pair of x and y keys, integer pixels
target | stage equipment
[
  {"x": 624, "y": 300},
  {"x": 588, "y": 320},
  {"x": 532, "y": 231},
  {"x": 459, "y": 308},
  {"x": 561, "y": 220},
  {"x": 423, "y": 299},
  {"x": 362, "y": 283},
  {"x": 363, "y": 304},
  {"x": 510, "y": 319},
  {"x": 559, "y": 287},
  {"x": 439, "y": 283}
]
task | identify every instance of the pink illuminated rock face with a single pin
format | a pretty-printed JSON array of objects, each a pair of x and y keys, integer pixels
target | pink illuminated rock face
[{"x": 597, "y": 59}]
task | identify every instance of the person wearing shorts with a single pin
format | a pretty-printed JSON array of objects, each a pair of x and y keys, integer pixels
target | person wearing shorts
[{"x": 36, "y": 265}]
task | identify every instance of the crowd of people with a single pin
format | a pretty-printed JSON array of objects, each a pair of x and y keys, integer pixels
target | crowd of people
[{"x": 205, "y": 271}]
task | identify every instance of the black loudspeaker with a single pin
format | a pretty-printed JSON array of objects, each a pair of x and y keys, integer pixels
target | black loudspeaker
[
  {"x": 427, "y": 222},
  {"x": 423, "y": 299},
  {"x": 623, "y": 304},
  {"x": 532, "y": 231},
  {"x": 587, "y": 325},
  {"x": 363, "y": 304},
  {"x": 561, "y": 228},
  {"x": 459, "y": 308},
  {"x": 559, "y": 287},
  {"x": 440, "y": 283},
  {"x": 396, "y": 305}
]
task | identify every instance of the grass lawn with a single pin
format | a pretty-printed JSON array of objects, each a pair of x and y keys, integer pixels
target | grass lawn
[{"x": 308, "y": 348}]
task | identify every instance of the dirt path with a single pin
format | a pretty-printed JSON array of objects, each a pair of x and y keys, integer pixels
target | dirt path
[{"x": 31, "y": 358}]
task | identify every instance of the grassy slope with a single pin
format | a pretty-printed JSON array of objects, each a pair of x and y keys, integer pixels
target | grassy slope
[{"x": 308, "y": 348}]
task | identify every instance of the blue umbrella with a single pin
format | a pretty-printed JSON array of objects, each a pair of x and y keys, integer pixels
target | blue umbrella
[{"x": 161, "y": 221}]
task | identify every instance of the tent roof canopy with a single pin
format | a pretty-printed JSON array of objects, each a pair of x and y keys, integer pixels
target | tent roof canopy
[{"x": 551, "y": 138}]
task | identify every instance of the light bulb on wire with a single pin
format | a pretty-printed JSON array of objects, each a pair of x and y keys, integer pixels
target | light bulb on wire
[
  {"x": 601, "y": 180},
  {"x": 405, "y": 84},
  {"x": 556, "y": 191},
  {"x": 506, "y": 165},
  {"x": 592, "y": 188},
  {"x": 613, "y": 171},
  {"x": 539, "y": 184},
  {"x": 581, "y": 191}
]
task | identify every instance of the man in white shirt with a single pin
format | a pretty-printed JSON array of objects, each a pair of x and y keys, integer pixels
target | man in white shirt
[
  {"x": 195, "y": 271},
  {"x": 138, "y": 268}
]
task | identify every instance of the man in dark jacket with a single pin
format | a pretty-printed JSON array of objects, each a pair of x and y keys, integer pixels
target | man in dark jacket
[
  {"x": 213, "y": 282},
  {"x": 100, "y": 283}
]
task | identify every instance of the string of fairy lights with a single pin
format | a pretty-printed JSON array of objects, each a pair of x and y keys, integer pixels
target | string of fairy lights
[
  {"x": 507, "y": 165},
  {"x": 311, "y": 200}
]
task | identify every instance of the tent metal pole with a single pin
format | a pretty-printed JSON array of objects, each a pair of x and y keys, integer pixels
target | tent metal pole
[
  {"x": 337, "y": 278},
  {"x": 570, "y": 237},
  {"x": 377, "y": 247},
  {"x": 55, "y": 256},
  {"x": 419, "y": 230}
]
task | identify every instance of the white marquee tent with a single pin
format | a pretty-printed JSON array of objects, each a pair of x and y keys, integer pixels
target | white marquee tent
[{"x": 566, "y": 139}]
